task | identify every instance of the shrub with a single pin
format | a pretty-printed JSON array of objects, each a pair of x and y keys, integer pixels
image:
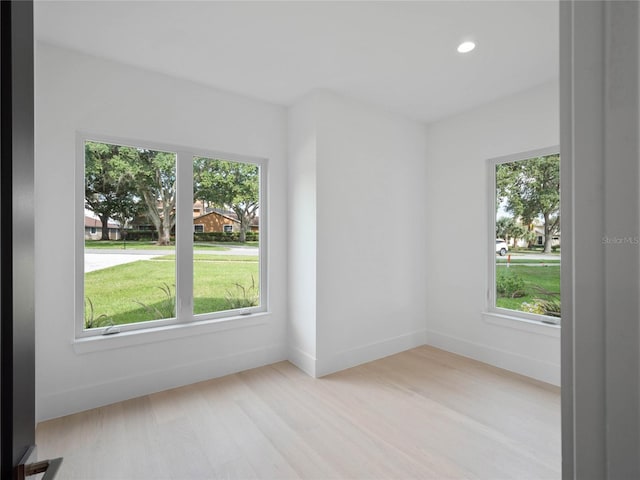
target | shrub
[
  {"x": 224, "y": 237},
  {"x": 166, "y": 308},
  {"x": 243, "y": 297},
  {"x": 542, "y": 307},
  {"x": 532, "y": 308},
  {"x": 549, "y": 305},
  {"x": 509, "y": 284},
  {"x": 215, "y": 237},
  {"x": 90, "y": 318},
  {"x": 140, "y": 235}
]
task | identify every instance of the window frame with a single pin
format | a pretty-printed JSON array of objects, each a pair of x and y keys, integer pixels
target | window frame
[
  {"x": 184, "y": 230},
  {"x": 491, "y": 237}
]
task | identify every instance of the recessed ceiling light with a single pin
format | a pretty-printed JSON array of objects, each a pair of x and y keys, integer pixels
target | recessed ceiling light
[{"x": 466, "y": 47}]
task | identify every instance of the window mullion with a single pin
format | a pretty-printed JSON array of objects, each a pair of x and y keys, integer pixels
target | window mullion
[
  {"x": 157, "y": 291},
  {"x": 184, "y": 236}
]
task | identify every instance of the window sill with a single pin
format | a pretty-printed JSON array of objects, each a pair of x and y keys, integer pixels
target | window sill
[
  {"x": 170, "y": 332},
  {"x": 518, "y": 323}
]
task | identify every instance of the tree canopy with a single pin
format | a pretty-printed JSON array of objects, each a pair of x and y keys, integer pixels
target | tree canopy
[
  {"x": 531, "y": 190},
  {"x": 508, "y": 228},
  {"x": 109, "y": 189},
  {"x": 155, "y": 175},
  {"x": 229, "y": 185},
  {"x": 123, "y": 182}
]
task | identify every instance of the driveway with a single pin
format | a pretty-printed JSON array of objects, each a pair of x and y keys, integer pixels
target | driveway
[
  {"x": 106, "y": 259},
  {"x": 97, "y": 259}
]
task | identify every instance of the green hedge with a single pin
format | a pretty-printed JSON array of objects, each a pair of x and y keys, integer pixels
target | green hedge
[
  {"x": 224, "y": 237},
  {"x": 152, "y": 236},
  {"x": 141, "y": 235}
]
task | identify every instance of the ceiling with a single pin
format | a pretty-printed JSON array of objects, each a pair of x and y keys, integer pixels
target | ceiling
[{"x": 399, "y": 55}]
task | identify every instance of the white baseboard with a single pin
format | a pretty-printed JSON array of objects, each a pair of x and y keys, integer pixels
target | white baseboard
[
  {"x": 95, "y": 395},
  {"x": 99, "y": 394},
  {"x": 367, "y": 353},
  {"x": 548, "y": 372},
  {"x": 303, "y": 360}
]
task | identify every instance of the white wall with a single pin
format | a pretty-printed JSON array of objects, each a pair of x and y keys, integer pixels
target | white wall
[
  {"x": 77, "y": 92},
  {"x": 456, "y": 208},
  {"x": 370, "y": 280},
  {"x": 302, "y": 234},
  {"x": 380, "y": 207},
  {"x": 600, "y": 125}
]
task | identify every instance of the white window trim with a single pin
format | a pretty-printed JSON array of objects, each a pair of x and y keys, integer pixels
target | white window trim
[
  {"x": 493, "y": 312},
  {"x": 184, "y": 244},
  {"x": 224, "y": 228},
  {"x": 99, "y": 343},
  {"x": 198, "y": 225}
]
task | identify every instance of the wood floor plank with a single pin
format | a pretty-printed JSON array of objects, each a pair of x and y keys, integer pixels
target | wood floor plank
[{"x": 423, "y": 414}]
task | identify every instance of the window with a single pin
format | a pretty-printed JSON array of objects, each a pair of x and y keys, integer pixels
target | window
[
  {"x": 156, "y": 274},
  {"x": 231, "y": 187},
  {"x": 524, "y": 268},
  {"x": 228, "y": 228},
  {"x": 93, "y": 230}
]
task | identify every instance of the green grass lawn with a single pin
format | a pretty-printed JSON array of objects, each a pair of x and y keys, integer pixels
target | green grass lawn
[
  {"x": 546, "y": 277},
  {"x": 116, "y": 291},
  {"x": 120, "y": 245},
  {"x": 533, "y": 251},
  {"x": 503, "y": 260}
]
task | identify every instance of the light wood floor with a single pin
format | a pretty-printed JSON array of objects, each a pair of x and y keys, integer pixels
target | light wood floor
[{"x": 423, "y": 414}]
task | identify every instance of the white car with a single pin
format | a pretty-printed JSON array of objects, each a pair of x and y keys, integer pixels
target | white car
[{"x": 501, "y": 247}]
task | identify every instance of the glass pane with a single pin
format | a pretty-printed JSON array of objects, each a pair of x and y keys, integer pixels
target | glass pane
[
  {"x": 527, "y": 248},
  {"x": 226, "y": 267},
  {"x": 129, "y": 256}
]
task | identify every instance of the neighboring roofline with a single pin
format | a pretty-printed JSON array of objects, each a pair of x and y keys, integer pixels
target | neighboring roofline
[
  {"x": 97, "y": 223},
  {"x": 217, "y": 213}
]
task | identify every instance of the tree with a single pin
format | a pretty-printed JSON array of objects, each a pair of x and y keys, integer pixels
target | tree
[
  {"x": 229, "y": 185},
  {"x": 531, "y": 189},
  {"x": 509, "y": 227},
  {"x": 121, "y": 182},
  {"x": 109, "y": 191},
  {"x": 127, "y": 211},
  {"x": 155, "y": 177}
]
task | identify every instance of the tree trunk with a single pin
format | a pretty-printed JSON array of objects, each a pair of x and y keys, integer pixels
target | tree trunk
[
  {"x": 530, "y": 237},
  {"x": 164, "y": 236},
  {"x": 105, "y": 226},
  {"x": 547, "y": 234},
  {"x": 242, "y": 236},
  {"x": 244, "y": 224}
]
